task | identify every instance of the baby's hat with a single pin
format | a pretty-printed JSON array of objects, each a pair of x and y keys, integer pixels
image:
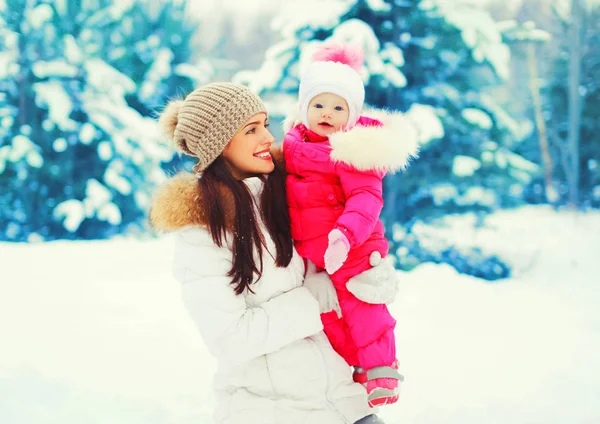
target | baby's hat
[{"x": 334, "y": 69}]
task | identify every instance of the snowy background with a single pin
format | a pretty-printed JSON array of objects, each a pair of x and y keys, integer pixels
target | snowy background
[
  {"x": 495, "y": 229},
  {"x": 95, "y": 332}
]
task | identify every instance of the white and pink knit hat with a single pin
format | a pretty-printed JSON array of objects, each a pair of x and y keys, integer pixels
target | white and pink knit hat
[{"x": 334, "y": 69}]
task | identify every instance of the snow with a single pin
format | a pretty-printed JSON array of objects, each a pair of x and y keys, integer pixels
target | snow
[
  {"x": 39, "y": 15},
  {"x": 8, "y": 121},
  {"x": 310, "y": 13},
  {"x": 429, "y": 124},
  {"x": 520, "y": 162},
  {"x": 478, "y": 31},
  {"x": 110, "y": 213},
  {"x": 477, "y": 117},
  {"x": 379, "y": 5},
  {"x": 60, "y": 145},
  {"x": 478, "y": 196},
  {"x": 105, "y": 150},
  {"x": 52, "y": 95},
  {"x": 87, "y": 133},
  {"x": 357, "y": 32},
  {"x": 110, "y": 14},
  {"x": 34, "y": 159},
  {"x": 393, "y": 53},
  {"x": 270, "y": 71},
  {"x": 527, "y": 31},
  {"x": 60, "y": 6},
  {"x": 54, "y": 68},
  {"x": 394, "y": 76},
  {"x": 442, "y": 193},
  {"x": 73, "y": 213},
  {"x": 114, "y": 179},
  {"x": 200, "y": 73},
  {"x": 72, "y": 51},
  {"x": 6, "y": 60},
  {"x": 519, "y": 130},
  {"x": 98, "y": 332},
  {"x": 105, "y": 78},
  {"x": 465, "y": 166},
  {"x": 159, "y": 71},
  {"x": 21, "y": 147},
  {"x": 96, "y": 194}
]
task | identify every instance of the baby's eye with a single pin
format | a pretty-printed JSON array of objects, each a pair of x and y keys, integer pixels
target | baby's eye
[
  {"x": 318, "y": 105},
  {"x": 339, "y": 108}
]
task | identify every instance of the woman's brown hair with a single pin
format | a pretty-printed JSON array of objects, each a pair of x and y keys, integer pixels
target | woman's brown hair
[{"x": 247, "y": 239}]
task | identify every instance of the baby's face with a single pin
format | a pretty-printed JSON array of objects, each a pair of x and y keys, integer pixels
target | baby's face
[{"x": 327, "y": 113}]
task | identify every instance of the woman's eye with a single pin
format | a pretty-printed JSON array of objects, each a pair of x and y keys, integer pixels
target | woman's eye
[
  {"x": 251, "y": 131},
  {"x": 267, "y": 125}
]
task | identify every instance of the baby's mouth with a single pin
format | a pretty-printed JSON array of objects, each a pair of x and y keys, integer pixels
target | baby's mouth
[{"x": 325, "y": 124}]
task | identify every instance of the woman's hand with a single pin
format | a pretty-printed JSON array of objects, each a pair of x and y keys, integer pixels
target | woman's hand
[
  {"x": 320, "y": 286},
  {"x": 376, "y": 285}
]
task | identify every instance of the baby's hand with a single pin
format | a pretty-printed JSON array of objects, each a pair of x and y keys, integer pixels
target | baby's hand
[{"x": 337, "y": 251}]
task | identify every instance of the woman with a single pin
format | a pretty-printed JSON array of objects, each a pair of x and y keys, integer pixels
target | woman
[{"x": 242, "y": 281}]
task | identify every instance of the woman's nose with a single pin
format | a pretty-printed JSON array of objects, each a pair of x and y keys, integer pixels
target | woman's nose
[{"x": 269, "y": 139}]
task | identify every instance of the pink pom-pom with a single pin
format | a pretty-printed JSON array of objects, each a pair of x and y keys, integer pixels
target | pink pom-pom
[{"x": 350, "y": 55}]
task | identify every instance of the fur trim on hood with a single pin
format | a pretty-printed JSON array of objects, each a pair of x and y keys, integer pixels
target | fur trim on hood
[
  {"x": 388, "y": 148},
  {"x": 291, "y": 121},
  {"x": 178, "y": 204}
]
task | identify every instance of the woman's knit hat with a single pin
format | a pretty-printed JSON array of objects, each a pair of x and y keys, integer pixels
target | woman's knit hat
[
  {"x": 204, "y": 123},
  {"x": 334, "y": 69}
]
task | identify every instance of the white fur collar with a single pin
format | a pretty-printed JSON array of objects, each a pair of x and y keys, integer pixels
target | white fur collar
[{"x": 388, "y": 148}]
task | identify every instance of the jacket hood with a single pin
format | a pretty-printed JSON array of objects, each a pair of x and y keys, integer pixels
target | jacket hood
[
  {"x": 178, "y": 203},
  {"x": 388, "y": 148}
]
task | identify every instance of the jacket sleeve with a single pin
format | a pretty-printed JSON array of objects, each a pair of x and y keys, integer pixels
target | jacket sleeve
[
  {"x": 292, "y": 135},
  {"x": 233, "y": 331},
  {"x": 364, "y": 202}
]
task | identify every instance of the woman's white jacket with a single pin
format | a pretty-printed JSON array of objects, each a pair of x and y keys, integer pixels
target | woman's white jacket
[{"x": 275, "y": 365}]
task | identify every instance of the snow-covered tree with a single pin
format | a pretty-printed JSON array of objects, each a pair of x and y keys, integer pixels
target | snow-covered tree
[
  {"x": 79, "y": 153},
  {"x": 152, "y": 44},
  {"x": 533, "y": 22},
  {"x": 578, "y": 165},
  {"x": 432, "y": 59},
  {"x": 525, "y": 39}
]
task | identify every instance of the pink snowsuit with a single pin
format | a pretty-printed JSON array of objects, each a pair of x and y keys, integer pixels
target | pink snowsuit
[{"x": 324, "y": 194}]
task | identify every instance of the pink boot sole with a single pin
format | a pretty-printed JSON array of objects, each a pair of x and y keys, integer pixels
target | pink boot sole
[
  {"x": 381, "y": 384},
  {"x": 380, "y": 397}
]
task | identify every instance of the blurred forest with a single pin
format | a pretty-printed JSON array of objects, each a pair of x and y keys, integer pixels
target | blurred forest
[{"x": 506, "y": 97}]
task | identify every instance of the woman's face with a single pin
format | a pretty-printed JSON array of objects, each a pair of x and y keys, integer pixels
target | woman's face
[{"x": 247, "y": 154}]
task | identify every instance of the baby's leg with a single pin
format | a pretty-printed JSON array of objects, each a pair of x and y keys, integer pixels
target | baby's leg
[
  {"x": 370, "y": 326},
  {"x": 372, "y": 330},
  {"x": 338, "y": 333}
]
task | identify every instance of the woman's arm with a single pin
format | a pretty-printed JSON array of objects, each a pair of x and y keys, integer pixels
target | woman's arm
[{"x": 233, "y": 331}]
